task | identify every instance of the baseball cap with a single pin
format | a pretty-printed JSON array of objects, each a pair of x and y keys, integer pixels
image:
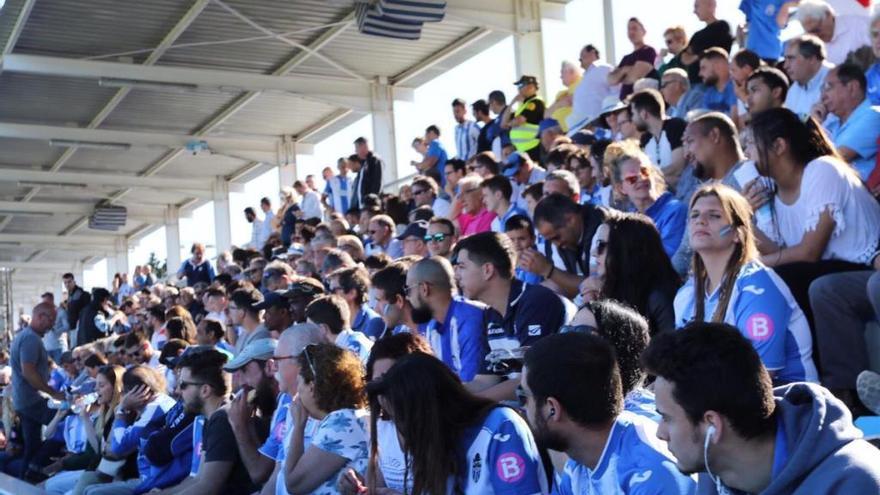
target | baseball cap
[
  {"x": 273, "y": 299},
  {"x": 584, "y": 138},
  {"x": 512, "y": 164},
  {"x": 546, "y": 124},
  {"x": 304, "y": 287},
  {"x": 416, "y": 229},
  {"x": 261, "y": 349},
  {"x": 527, "y": 80}
]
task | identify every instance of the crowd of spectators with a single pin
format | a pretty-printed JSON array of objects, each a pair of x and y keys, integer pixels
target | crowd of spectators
[{"x": 657, "y": 282}]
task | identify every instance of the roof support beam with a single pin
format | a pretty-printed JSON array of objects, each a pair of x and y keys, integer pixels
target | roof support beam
[
  {"x": 20, "y": 22},
  {"x": 38, "y": 265},
  {"x": 9, "y": 174}
]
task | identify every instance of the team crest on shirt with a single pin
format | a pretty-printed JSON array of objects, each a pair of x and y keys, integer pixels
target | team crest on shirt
[
  {"x": 476, "y": 468},
  {"x": 759, "y": 327},
  {"x": 534, "y": 330},
  {"x": 510, "y": 467}
]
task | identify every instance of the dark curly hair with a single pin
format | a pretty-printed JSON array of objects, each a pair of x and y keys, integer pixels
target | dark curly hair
[{"x": 340, "y": 381}]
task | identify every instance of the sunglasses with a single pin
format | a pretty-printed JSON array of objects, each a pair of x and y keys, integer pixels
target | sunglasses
[
  {"x": 306, "y": 352},
  {"x": 577, "y": 329},
  {"x": 632, "y": 180},
  {"x": 438, "y": 237},
  {"x": 184, "y": 384},
  {"x": 420, "y": 191}
]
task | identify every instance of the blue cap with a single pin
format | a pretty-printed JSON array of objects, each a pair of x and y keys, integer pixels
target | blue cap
[
  {"x": 546, "y": 124},
  {"x": 272, "y": 299},
  {"x": 512, "y": 164}
]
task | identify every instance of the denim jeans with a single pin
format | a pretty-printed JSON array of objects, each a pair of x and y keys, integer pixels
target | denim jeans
[{"x": 32, "y": 418}]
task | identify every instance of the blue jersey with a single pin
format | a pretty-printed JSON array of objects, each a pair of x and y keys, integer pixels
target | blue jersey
[
  {"x": 459, "y": 340},
  {"x": 634, "y": 462},
  {"x": 356, "y": 342},
  {"x": 641, "y": 401},
  {"x": 368, "y": 322},
  {"x": 873, "y": 78},
  {"x": 500, "y": 457},
  {"x": 274, "y": 444},
  {"x": 765, "y": 312},
  {"x": 763, "y": 37},
  {"x": 437, "y": 150}
]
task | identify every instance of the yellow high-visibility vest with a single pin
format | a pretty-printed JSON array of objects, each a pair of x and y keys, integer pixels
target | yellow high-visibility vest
[{"x": 525, "y": 137}]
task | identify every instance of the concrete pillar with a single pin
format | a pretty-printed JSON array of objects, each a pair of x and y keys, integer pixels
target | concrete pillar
[
  {"x": 287, "y": 169},
  {"x": 608, "y": 15},
  {"x": 222, "y": 222},
  {"x": 172, "y": 238},
  {"x": 122, "y": 256},
  {"x": 528, "y": 42},
  {"x": 384, "y": 141}
]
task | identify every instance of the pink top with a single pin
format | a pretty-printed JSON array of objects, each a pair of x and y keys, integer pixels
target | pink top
[{"x": 474, "y": 224}]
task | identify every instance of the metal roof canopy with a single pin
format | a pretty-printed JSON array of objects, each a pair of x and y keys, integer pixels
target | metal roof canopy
[{"x": 120, "y": 88}]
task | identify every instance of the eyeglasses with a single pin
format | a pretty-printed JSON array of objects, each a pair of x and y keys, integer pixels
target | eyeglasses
[
  {"x": 521, "y": 396},
  {"x": 632, "y": 180},
  {"x": 578, "y": 329},
  {"x": 419, "y": 191},
  {"x": 310, "y": 363},
  {"x": 666, "y": 83},
  {"x": 438, "y": 237},
  {"x": 184, "y": 384}
]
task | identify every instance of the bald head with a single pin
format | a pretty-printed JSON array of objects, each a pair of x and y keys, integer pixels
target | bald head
[
  {"x": 296, "y": 338},
  {"x": 43, "y": 317},
  {"x": 436, "y": 271}
]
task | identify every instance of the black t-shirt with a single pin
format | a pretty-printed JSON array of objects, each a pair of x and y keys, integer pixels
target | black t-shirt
[
  {"x": 534, "y": 112},
  {"x": 484, "y": 143},
  {"x": 219, "y": 444},
  {"x": 714, "y": 34}
]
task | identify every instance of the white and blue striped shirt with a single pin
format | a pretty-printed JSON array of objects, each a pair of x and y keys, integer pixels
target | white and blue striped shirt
[{"x": 466, "y": 135}]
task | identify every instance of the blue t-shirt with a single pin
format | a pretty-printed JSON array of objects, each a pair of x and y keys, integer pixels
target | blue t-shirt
[
  {"x": 533, "y": 311},
  {"x": 634, "y": 462},
  {"x": 873, "y": 77},
  {"x": 670, "y": 218},
  {"x": 459, "y": 340},
  {"x": 641, "y": 401},
  {"x": 719, "y": 101},
  {"x": 274, "y": 444},
  {"x": 859, "y": 133},
  {"x": 436, "y": 149},
  {"x": 203, "y": 272},
  {"x": 500, "y": 457},
  {"x": 765, "y": 312},
  {"x": 368, "y": 322},
  {"x": 528, "y": 277},
  {"x": 764, "y": 34},
  {"x": 356, "y": 342}
]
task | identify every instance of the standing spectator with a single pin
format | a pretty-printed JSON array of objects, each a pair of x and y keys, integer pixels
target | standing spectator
[
  {"x": 481, "y": 112},
  {"x": 561, "y": 108},
  {"x": 287, "y": 214},
  {"x": 268, "y": 220},
  {"x": 716, "y": 34},
  {"x": 256, "y": 229},
  {"x": 198, "y": 268},
  {"x": 720, "y": 95},
  {"x": 676, "y": 41},
  {"x": 498, "y": 135},
  {"x": 125, "y": 288},
  {"x": 474, "y": 217},
  {"x": 610, "y": 450},
  {"x": 586, "y": 103},
  {"x": 766, "y": 88},
  {"x": 523, "y": 121},
  {"x": 368, "y": 168},
  {"x": 763, "y": 32},
  {"x": 337, "y": 190},
  {"x": 30, "y": 377},
  {"x": 853, "y": 124},
  {"x": 77, "y": 299},
  {"x": 635, "y": 65},
  {"x": 842, "y": 34},
  {"x": 806, "y": 67},
  {"x": 55, "y": 339},
  {"x": 311, "y": 202},
  {"x": 467, "y": 132},
  {"x": 681, "y": 97},
  {"x": 662, "y": 140},
  {"x": 434, "y": 162}
]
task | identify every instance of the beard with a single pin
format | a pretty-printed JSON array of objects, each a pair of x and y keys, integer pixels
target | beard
[
  {"x": 421, "y": 314},
  {"x": 548, "y": 439},
  {"x": 711, "y": 80},
  {"x": 194, "y": 406}
]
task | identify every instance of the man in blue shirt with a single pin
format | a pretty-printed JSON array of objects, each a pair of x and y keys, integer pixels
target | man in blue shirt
[
  {"x": 196, "y": 269},
  {"x": 497, "y": 191},
  {"x": 353, "y": 284},
  {"x": 715, "y": 72},
  {"x": 434, "y": 162},
  {"x": 763, "y": 32},
  {"x": 484, "y": 272},
  {"x": 455, "y": 325},
  {"x": 854, "y": 125},
  {"x": 571, "y": 391},
  {"x": 521, "y": 232}
]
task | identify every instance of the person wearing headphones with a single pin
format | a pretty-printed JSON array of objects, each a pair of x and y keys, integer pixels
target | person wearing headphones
[
  {"x": 572, "y": 392},
  {"x": 722, "y": 419}
]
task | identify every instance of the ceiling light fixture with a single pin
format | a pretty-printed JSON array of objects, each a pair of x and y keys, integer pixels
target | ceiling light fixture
[{"x": 94, "y": 145}]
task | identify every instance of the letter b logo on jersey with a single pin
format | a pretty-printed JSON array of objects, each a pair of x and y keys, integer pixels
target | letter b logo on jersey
[
  {"x": 510, "y": 468},
  {"x": 759, "y": 327}
]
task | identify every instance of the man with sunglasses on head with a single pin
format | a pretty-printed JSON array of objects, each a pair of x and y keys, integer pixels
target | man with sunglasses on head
[
  {"x": 441, "y": 237},
  {"x": 572, "y": 393}
]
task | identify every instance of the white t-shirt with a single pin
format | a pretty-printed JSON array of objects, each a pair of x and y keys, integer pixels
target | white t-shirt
[
  {"x": 391, "y": 459},
  {"x": 586, "y": 102},
  {"x": 829, "y": 185}
]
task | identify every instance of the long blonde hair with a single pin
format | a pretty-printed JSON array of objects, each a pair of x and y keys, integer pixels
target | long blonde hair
[
  {"x": 738, "y": 211},
  {"x": 113, "y": 374}
]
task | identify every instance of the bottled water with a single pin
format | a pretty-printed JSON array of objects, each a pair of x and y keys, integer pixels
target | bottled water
[
  {"x": 58, "y": 404},
  {"x": 84, "y": 402}
]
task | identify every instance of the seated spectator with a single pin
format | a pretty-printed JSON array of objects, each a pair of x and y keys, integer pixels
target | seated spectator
[
  {"x": 628, "y": 264},
  {"x": 715, "y": 34},
  {"x": 742, "y": 65},
  {"x": 583, "y": 416},
  {"x": 720, "y": 95},
  {"x": 245, "y": 314},
  {"x": 426, "y": 193},
  {"x": 531, "y": 196},
  {"x": 276, "y": 314},
  {"x": 474, "y": 217},
  {"x": 497, "y": 192},
  {"x": 852, "y": 124},
  {"x": 484, "y": 272},
  {"x": 391, "y": 302},
  {"x": 766, "y": 88},
  {"x": 353, "y": 285},
  {"x": 331, "y": 388},
  {"x": 352, "y": 245},
  {"x": 818, "y": 200},
  {"x": 723, "y": 420},
  {"x": 642, "y": 184},
  {"x": 635, "y": 65},
  {"x": 413, "y": 239},
  {"x": 806, "y": 66},
  {"x": 662, "y": 138},
  {"x": 441, "y": 237},
  {"x": 300, "y": 294},
  {"x": 277, "y": 275},
  {"x": 331, "y": 314},
  {"x": 842, "y": 34},
  {"x": 676, "y": 41},
  {"x": 628, "y": 129},
  {"x": 211, "y": 333},
  {"x": 455, "y": 326},
  {"x": 521, "y": 232},
  {"x": 562, "y": 182},
  {"x": 381, "y": 237},
  {"x": 681, "y": 97},
  {"x": 446, "y": 432},
  {"x": 567, "y": 229},
  {"x": 740, "y": 290},
  {"x": 587, "y": 176}
]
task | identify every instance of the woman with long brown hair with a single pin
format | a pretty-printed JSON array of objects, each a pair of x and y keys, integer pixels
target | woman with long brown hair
[{"x": 730, "y": 284}]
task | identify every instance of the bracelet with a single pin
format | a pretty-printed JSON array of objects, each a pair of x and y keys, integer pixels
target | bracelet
[{"x": 550, "y": 275}]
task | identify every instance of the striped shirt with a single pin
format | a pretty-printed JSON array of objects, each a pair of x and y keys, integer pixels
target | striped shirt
[{"x": 466, "y": 135}]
